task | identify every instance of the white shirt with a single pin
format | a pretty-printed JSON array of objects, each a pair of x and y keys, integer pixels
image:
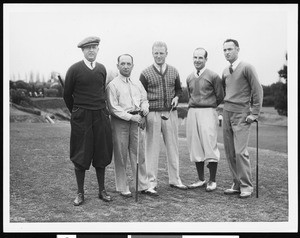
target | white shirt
[
  {"x": 164, "y": 66},
  {"x": 88, "y": 63},
  {"x": 200, "y": 72},
  {"x": 125, "y": 96},
  {"x": 236, "y": 63}
]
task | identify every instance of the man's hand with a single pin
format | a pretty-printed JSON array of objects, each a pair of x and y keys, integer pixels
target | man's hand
[
  {"x": 251, "y": 118},
  {"x": 142, "y": 124},
  {"x": 174, "y": 101},
  {"x": 136, "y": 118},
  {"x": 145, "y": 111}
]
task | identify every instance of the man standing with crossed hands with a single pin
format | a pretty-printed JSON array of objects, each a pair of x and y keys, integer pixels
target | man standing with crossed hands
[{"x": 128, "y": 104}]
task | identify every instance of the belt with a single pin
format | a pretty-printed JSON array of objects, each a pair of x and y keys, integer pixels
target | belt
[{"x": 134, "y": 112}]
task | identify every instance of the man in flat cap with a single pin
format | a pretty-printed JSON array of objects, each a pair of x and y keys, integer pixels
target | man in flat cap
[{"x": 91, "y": 138}]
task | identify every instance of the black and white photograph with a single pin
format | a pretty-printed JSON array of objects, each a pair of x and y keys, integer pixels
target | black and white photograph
[{"x": 150, "y": 118}]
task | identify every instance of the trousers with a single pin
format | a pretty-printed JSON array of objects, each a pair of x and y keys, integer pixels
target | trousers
[
  {"x": 202, "y": 134},
  {"x": 125, "y": 141},
  {"x": 155, "y": 126},
  {"x": 91, "y": 138},
  {"x": 236, "y": 136}
]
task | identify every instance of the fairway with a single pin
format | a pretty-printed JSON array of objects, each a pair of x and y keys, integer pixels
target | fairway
[{"x": 42, "y": 186}]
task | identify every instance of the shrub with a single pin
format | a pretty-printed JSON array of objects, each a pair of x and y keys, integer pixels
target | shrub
[
  {"x": 52, "y": 92},
  {"x": 184, "y": 98},
  {"x": 19, "y": 96},
  {"x": 16, "y": 96},
  {"x": 280, "y": 97},
  {"x": 182, "y": 112},
  {"x": 268, "y": 101}
]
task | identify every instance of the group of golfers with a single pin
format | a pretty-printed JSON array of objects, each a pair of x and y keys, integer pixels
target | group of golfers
[{"x": 125, "y": 118}]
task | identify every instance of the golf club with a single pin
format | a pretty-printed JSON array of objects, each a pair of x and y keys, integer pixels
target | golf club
[
  {"x": 167, "y": 117},
  {"x": 61, "y": 81},
  {"x": 256, "y": 157},
  {"x": 137, "y": 165}
]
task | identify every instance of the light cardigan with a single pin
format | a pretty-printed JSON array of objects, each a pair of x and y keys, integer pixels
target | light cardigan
[{"x": 240, "y": 86}]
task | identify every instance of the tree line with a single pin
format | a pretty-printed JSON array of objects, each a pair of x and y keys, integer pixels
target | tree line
[{"x": 275, "y": 95}]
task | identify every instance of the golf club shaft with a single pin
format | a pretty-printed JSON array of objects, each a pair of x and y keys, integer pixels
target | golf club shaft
[
  {"x": 170, "y": 111},
  {"x": 166, "y": 118},
  {"x": 61, "y": 81},
  {"x": 137, "y": 164},
  {"x": 256, "y": 158}
]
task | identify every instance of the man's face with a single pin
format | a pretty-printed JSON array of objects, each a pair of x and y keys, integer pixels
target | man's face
[
  {"x": 125, "y": 65},
  {"x": 199, "y": 59},
  {"x": 231, "y": 51},
  {"x": 90, "y": 52},
  {"x": 159, "y": 54}
]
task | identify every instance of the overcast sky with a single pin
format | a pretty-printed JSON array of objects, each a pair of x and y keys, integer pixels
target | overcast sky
[{"x": 43, "y": 38}]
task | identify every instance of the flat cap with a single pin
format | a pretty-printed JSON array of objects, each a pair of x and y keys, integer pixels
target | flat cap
[{"x": 91, "y": 40}]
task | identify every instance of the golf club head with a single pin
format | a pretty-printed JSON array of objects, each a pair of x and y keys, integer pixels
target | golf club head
[{"x": 164, "y": 117}]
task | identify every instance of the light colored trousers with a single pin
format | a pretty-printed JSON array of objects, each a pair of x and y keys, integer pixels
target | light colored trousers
[
  {"x": 202, "y": 134},
  {"x": 155, "y": 126},
  {"x": 236, "y": 136},
  {"x": 125, "y": 140}
]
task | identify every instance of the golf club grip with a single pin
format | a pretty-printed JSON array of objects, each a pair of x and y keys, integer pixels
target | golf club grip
[{"x": 61, "y": 81}]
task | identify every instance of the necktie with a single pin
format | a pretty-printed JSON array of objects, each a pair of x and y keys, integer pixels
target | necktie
[
  {"x": 230, "y": 69},
  {"x": 160, "y": 69},
  {"x": 198, "y": 72},
  {"x": 92, "y": 64}
]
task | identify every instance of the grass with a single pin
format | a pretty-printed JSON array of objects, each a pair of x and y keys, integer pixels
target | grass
[{"x": 42, "y": 186}]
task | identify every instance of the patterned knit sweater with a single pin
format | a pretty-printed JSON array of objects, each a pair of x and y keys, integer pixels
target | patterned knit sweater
[
  {"x": 240, "y": 86},
  {"x": 85, "y": 88},
  {"x": 161, "y": 88}
]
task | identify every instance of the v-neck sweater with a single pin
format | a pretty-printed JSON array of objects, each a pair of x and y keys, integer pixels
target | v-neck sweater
[
  {"x": 161, "y": 88},
  {"x": 85, "y": 87},
  {"x": 205, "y": 90},
  {"x": 240, "y": 87}
]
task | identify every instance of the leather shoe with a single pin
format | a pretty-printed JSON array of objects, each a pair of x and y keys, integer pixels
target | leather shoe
[
  {"x": 211, "y": 186},
  {"x": 179, "y": 186},
  {"x": 79, "y": 199},
  {"x": 197, "y": 184},
  {"x": 126, "y": 194},
  {"x": 245, "y": 194},
  {"x": 150, "y": 192},
  {"x": 104, "y": 196},
  {"x": 231, "y": 191}
]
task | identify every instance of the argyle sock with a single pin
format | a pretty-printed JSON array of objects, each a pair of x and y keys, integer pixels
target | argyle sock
[
  {"x": 100, "y": 178},
  {"x": 80, "y": 175},
  {"x": 200, "y": 170},
  {"x": 212, "y": 170}
]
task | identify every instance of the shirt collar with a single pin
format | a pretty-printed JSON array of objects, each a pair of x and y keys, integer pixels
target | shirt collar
[
  {"x": 88, "y": 63},
  {"x": 200, "y": 72},
  {"x": 124, "y": 79},
  {"x": 158, "y": 67},
  {"x": 236, "y": 63}
]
